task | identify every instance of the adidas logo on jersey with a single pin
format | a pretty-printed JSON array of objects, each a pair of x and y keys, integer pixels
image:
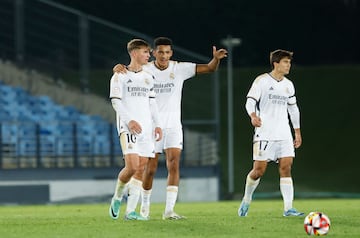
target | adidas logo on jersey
[
  {"x": 129, "y": 81},
  {"x": 271, "y": 88}
]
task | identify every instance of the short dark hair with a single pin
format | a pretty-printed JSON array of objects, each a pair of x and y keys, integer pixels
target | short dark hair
[
  {"x": 137, "y": 44},
  {"x": 162, "y": 41},
  {"x": 277, "y": 55}
]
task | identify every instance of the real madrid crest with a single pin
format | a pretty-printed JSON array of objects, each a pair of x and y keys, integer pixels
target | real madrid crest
[
  {"x": 116, "y": 77},
  {"x": 130, "y": 146},
  {"x": 147, "y": 81},
  {"x": 172, "y": 75}
]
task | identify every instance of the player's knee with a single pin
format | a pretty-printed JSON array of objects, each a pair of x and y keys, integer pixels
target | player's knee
[
  {"x": 258, "y": 173},
  {"x": 130, "y": 171},
  {"x": 285, "y": 171},
  {"x": 172, "y": 168},
  {"x": 172, "y": 162}
]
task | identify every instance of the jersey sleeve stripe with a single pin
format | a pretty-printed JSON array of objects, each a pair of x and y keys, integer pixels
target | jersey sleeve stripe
[{"x": 252, "y": 98}]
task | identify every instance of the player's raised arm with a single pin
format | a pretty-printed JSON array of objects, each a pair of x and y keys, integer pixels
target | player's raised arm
[{"x": 214, "y": 62}]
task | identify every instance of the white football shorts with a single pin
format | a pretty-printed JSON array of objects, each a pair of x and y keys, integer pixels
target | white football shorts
[
  {"x": 137, "y": 144},
  {"x": 172, "y": 138},
  {"x": 273, "y": 150}
]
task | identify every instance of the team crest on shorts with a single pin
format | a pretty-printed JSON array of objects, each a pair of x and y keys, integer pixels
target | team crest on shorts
[
  {"x": 130, "y": 146},
  {"x": 116, "y": 78}
]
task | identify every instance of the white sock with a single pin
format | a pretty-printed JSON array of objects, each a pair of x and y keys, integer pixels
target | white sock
[
  {"x": 250, "y": 187},
  {"x": 135, "y": 186},
  {"x": 145, "y": 203},
  {"x": 119, "y": 189},
  {"x": 171, "y": 196},
  {"x": 146, "y": 194},
  {"x": 287, "y": 192}
]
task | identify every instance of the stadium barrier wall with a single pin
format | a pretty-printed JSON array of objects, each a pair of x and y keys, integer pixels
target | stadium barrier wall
[{"x": 96, "y": 186}]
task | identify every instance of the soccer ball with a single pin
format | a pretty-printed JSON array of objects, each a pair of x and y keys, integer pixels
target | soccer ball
[{"x": 317, "y": 223}]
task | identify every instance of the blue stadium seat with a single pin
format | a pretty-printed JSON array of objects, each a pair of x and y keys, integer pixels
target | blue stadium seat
[
  {"x": 7, "y": 92},
  {"x": 65, "y": 147},
  {"x": 27, "y": 148},
  {"x": 84, "y": 145},
  {"x": 45, "y": 102},
  {"x": 102, "y": 145},
  {"x": 27, "y": 119},
  {"x": 9, "y": 132},
  {"x": 47, "y": 147},
  {"x": 5, "y": 115}
]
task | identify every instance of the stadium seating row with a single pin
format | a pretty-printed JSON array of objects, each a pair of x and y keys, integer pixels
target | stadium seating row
[{"x": 37, "y": 126}]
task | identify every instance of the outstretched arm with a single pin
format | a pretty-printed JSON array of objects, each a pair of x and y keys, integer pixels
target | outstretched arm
[{"x": 214, "y": 63}]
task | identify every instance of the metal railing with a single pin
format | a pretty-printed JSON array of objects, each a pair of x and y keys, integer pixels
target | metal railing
[{"x": 58, "y": 145}]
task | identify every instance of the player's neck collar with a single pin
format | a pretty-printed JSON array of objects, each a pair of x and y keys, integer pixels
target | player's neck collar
[
  {"x": 159, "y": 67},
  {"x": 277, "y": 78},
  {"x": 133, "y": 70}
]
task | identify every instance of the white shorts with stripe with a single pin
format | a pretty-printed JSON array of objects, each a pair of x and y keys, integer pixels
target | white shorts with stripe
[
  {"x": 172, "y": 138},
  {"x": 137, "y": 144},
  {"x": 273, "y": 150}
]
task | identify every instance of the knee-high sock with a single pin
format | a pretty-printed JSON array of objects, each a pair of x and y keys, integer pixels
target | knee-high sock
[
  {"x": 146, "y": 195},
  {"x": 145, "y": 202},
  {"x": 171, "y": 196},
  {"x": 135, "y": 186},
  {"x": 287, "y": 192},
  {"x": 250, "y": 187},
  {"x": 119, "y": 189}
]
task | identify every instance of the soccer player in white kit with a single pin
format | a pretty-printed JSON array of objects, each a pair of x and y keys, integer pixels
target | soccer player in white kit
[
  {"x": 133, "y": 98},
  {"x": 270, "y": 100},
  {"x": 169, "y": 78}
]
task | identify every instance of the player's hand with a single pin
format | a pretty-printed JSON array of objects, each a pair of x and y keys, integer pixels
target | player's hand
[
  {"x": 120, "y": 68},
  {"x": 297, "y": 140},
  {"x": 219, "y": 54},
  {"x": 256, "y": 121},
  {"x": 158, "y": 134},
  {"x": 134, "y": 127}
]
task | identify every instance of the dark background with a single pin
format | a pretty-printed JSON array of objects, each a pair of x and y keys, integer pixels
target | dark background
[
  {"x": 318, "y": 31},
  {"x": 324, "y": 34}
]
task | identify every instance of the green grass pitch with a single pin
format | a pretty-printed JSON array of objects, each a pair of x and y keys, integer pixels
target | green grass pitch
[{"x": 215, "y": 219}]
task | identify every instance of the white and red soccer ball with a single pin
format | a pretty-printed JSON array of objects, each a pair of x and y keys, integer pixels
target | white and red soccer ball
[{"x": 317, "y": 223}]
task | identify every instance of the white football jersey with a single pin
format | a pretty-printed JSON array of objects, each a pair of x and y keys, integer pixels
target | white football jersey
[
  {"x": 273, "y": 98},
  {"x": 134, "y": 89},
  {"x": 168, "y": 88}
]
